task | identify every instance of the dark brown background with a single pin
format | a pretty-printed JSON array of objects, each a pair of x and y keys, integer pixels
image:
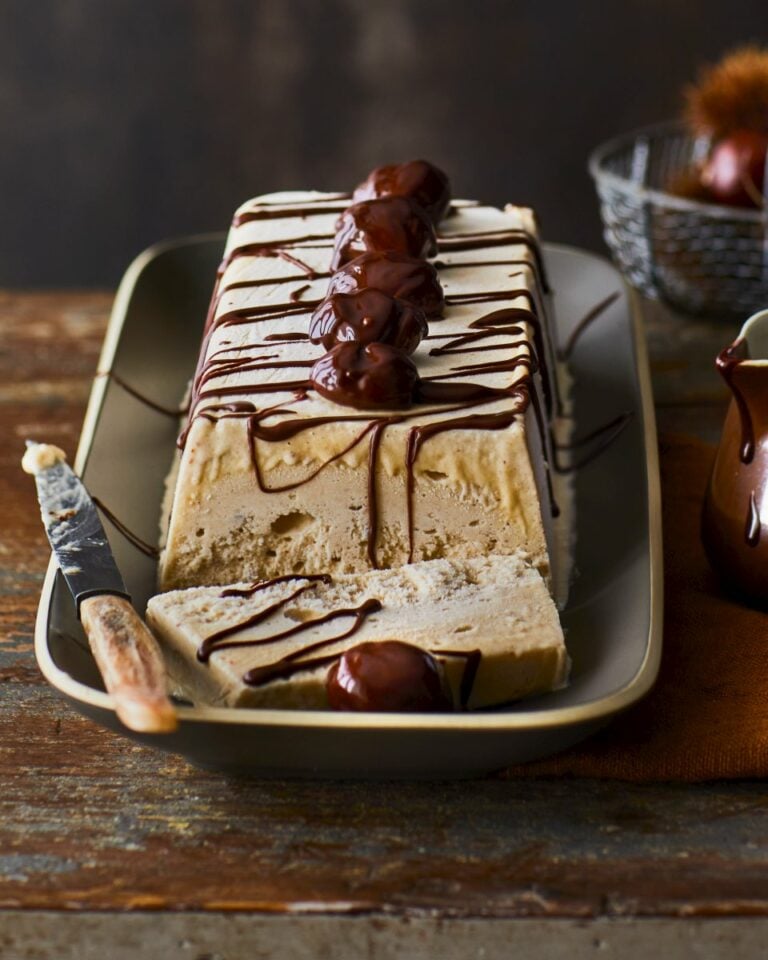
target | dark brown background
[{"x": 125, "y": 121}]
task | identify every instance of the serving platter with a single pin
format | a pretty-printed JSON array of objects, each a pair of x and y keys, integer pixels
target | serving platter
[{"x": 612, "y": 620}]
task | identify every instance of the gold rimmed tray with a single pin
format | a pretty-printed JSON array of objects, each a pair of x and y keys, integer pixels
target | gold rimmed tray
[{"x": 612, "y": 621}]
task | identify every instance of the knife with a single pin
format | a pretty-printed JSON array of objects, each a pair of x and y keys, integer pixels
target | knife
[{"x": 126, "y": 653}]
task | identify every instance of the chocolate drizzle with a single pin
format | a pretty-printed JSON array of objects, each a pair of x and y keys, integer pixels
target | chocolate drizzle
[
  {"x": 605, "y": 434},
  {"x": 259, "y": 585},
  {"x": 173, "y": 412},
  {"x": 753, "y": 525},
  {"x": 727, "y": 362},
  {"x": 441, "y": 395},
  {"x": 472, "y": 660},
  {"x": 134, "y": 539},
  {"x": 292, "y": 663},
  {"x": 496, "y": 238},
  {"x": 586, "y": 321},
  {"x": 418, "y": 436}
]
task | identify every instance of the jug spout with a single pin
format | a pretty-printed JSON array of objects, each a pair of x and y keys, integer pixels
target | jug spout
[
  {"x": 735, "y": 518},
  {"x": 743, "y": 365}
]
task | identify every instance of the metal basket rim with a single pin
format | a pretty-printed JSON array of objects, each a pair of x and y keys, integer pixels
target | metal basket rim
[{"x": 646, "y": 194}]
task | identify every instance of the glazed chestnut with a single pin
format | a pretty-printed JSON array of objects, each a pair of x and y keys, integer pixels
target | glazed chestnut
[
  {"x": 389, "y": 676},
  {"x": 369, "y": 376},
  {"x": 734, "y": 174},
  {"x": 368, "y": 316},
  {"x": 419, "y": 180},
  {"x": 401, "y": 276},
  {"x": 393, "y": 223}
]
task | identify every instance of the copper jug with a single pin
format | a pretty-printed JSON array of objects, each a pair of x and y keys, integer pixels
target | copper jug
[{"x": 735, "y": 517}]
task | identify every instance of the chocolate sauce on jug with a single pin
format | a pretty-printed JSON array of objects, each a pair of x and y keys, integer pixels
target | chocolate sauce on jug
[{"x": 736, "y": 502}]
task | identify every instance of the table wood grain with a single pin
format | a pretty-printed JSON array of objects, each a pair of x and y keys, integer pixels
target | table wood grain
[{"x": 106, "y": 842}]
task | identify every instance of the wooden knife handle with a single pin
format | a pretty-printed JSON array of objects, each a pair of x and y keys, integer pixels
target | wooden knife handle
[{"x": 130, "y": 663}]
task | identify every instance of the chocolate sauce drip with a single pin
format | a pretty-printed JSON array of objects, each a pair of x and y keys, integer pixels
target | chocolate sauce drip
[
  {"x": 491, "y": 346},
  {"x": 419, "y": 180},
  {"x": 285, "y": 213},
  {"x": 141, "y": 545},
  {"x": 418, "y": 436},
  {"x": 607, "y": 433},
  {"x": 285, "y": 487},
  {"x": 386, "y": 676},
  {"x": 291, "y": 663},
  {"x": 496, "y": 324},
  {"x": 587, "y": 320},
  {"x": 218, "y": 366},
  {"x": 753, "y": 525},
  {"x": 259, "y": 585},
  {"x": 397, "y": 274},
  {"x": 270, "y": 311},
  {"x": 174, "y": 412},
  {"x": 532, "y": 265},
  {"x": 727, "y": 361},
  {"x": 368, "y": 316},
  {"x": 544, "y": 435},
  {"x": 433, "y": 391},
  {"x": 458, "y": 299},
  {"x": 472, "y": 660},
  {"x": 213, "y": 642},
  {"x": 282, "y": 386},
  {"x": 490, "y": 367},
  {"x": 296, "y": 295},
  {"x": 375, "y": 223},
  {"x": 497, "y": 238},
  {"x": 392, "y": 224},
  {"x": 373, "y": 503},
  {"x": 285, "y": 337},
  {"x": 502, "y": 322},
  {"x": 318, "y": 201}
]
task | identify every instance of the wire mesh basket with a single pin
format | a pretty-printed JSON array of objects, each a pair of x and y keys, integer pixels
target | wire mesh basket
[{"x": 697, "y": 257}]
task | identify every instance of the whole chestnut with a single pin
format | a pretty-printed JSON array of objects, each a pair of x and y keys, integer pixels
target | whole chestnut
[
  {"x": 371, "y": 376},
  {"x": 734, "y": 173},
  {"x": 368, "y": 316}
]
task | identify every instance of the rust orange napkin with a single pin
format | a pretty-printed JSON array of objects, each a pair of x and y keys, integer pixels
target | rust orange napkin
[{"x": 707, "y": 716}]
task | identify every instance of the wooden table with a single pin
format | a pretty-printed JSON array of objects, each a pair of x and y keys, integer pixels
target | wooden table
[{"x": 108, "y": 849}]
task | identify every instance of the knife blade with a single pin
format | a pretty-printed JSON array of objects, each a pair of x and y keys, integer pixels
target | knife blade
[{"x": 126, "y": 653}]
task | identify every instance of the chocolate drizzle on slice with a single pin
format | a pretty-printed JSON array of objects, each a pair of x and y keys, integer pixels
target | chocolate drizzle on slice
[
  {"x": 292, "y": 663},
  {"x": 214, "y": 641},
  {"x": 260, "y": 585}
]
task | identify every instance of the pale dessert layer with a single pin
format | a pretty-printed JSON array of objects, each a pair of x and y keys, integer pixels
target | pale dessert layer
[
  {"x": 340, "y": 494},
  {"x": 452, "y": 609}
]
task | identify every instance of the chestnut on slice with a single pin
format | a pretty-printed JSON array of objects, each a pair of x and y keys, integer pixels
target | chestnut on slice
[
  {"x": 390, "y": 676},
  {"x": 368, "y": 316}
]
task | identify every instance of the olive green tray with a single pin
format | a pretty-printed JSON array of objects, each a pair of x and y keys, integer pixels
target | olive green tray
[{"x": 613, "y": 618}]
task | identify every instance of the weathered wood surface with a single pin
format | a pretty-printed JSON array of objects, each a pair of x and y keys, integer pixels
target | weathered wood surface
[{"x": 90, "y": 821}]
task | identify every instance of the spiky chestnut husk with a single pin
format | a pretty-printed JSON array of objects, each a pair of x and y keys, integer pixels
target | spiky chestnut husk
[{"x": 731, "y": 95}]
